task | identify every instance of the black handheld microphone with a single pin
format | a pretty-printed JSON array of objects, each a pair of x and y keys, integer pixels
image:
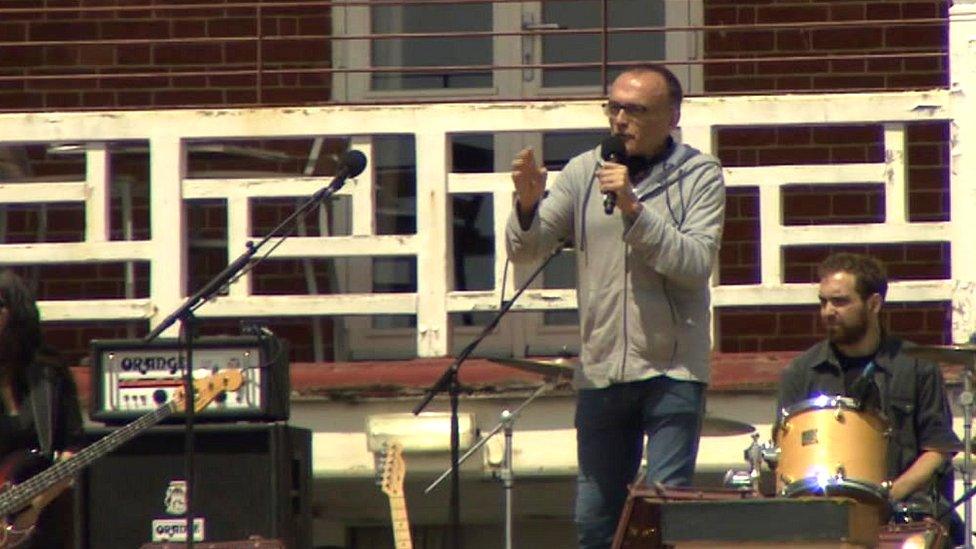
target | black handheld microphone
[
  {"x": 612, "y": 149},
  {"x": 862, "y": 385}
]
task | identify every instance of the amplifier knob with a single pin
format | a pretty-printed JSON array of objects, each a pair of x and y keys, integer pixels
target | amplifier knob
[{"x": 159, "y": 396}]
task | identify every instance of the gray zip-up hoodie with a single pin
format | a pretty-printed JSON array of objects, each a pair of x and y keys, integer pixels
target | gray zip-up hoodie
[{"x": 642, "y": 284}]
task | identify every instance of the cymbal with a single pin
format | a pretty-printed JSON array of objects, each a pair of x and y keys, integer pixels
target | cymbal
[
  {"x": 551, "y": 368},
  {"x": 962, "y": 353},
  {"x": 713, "y": 426}
]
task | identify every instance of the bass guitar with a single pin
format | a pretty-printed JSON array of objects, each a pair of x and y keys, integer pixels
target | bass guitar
[{"x": 29, "y": 475}]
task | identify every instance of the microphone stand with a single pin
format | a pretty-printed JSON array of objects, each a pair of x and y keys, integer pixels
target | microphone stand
[
  {"x": 449, "y": 382},
  {"x": 184, "y": 313},
  {"x": 506, "y": 474}
]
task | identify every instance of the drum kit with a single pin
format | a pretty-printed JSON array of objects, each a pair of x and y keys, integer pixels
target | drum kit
[{"x": 829, "y": 446}]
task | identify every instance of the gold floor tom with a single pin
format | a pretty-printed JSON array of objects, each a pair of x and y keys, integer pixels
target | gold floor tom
[{"x": 828, "y": 447}]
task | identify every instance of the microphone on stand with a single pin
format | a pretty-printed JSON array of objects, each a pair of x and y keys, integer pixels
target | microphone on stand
[
  {"x": 862, "y": 385},
  {"x": 612, "y": 150},
  {"x": 351, "y": 164}
]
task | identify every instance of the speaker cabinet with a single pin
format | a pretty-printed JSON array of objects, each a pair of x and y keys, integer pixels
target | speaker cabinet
[{"x": 251, "y": 479}]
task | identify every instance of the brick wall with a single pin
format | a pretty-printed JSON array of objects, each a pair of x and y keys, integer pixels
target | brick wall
[
  {"x": 791, "y": 58},
  {"x": 111, "y": 46},
  {"x": 880, "y": 49}
]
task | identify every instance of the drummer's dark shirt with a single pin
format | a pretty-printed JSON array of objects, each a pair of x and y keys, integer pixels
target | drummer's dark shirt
[
  {"x": 853, "y": 368},
  {"x": 911, "y": 390}
]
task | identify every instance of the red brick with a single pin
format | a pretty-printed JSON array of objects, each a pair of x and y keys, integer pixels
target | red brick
[
  {"x": 924, "y": 10},
  {"x": 740, "y": 41},
  {"x": 791, "y": 83},
  {"x": 21, "y": 100},
  {"x": 792, "y": 67},
  {"x": 930, "y": 131},
  {"x": 62, "y": 100},
  {"x": 188, "y": 28},
  {"x": 797, "y": 323},
  {"x": 747, "y": 323},
  {"x": 746, "y": 137},
  {"x": 96, "y": 55},
  {"x": 927, "y": 177},
  {"x": 129, "y": 29},
  {"x": 847, "y": 12},
  {"x": 915, "y": 36},
  {"x": 792, "y": 156},
  {"x": 63, "y": 30},
  {"x": 320, "y": 25},
  {"x": 848, "y": 82},
  {"x": 782, "y": 343},
  {"x": 934, "y": 63},
  {"x": 928, "y": 154},
  {"x": 883, "y": 10},
  {"x": 795, "y": 135},
  {"x": 928, "y": 206},
  {"x": 724, "y": 15},
  {"x": 801, "y": 201},
  {"x": 847, "y": 39},
  {"x": 232, "y": 27},
  {"x": 916, "y": 81},
  {"x": 885, "y": 65},
  {"x": 13, "y": 32},
  {"x": 187, "y": 54},
  {"x": 854, "y": 153},
  {"x": 792, "y": 13}
]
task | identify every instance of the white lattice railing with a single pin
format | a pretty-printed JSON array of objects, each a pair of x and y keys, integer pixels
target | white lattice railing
[{"x": 169, "y": 132}]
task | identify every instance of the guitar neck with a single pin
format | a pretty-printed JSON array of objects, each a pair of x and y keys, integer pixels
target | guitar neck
[
  {"x": 21, "y": 494},
  {"x": 401, "y": 524}
]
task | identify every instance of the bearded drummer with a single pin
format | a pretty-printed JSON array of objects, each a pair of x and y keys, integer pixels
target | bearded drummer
[{"x": 860, "y": 360}]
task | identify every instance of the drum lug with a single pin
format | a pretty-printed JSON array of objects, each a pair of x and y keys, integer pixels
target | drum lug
[{"x": 770, "y": 454}]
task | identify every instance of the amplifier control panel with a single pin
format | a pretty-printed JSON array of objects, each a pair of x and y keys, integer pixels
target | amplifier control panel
[{"x": 131, "y": 378}]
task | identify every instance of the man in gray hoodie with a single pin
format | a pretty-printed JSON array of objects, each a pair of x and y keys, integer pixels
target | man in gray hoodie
[{"x": 642, "y": 289}]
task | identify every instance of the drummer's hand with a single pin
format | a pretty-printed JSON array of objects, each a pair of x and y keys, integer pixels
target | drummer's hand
[{"x": 917, "y": 475}]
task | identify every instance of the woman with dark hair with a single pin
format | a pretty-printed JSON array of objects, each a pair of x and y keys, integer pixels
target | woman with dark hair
[{"x": 39, "y": 411}]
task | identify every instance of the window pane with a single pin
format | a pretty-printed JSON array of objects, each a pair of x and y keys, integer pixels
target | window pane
[
  {"x": 585, "y": 14},
  {"x": 431, "y": 52}
]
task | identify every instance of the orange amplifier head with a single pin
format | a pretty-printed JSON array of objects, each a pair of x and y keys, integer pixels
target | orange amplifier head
[{"x": 131, "y": 377}]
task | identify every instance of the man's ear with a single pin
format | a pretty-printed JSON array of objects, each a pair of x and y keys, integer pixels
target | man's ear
[
  {"x": 675, "y": 117},
  {"x": 875, "y": 302}
]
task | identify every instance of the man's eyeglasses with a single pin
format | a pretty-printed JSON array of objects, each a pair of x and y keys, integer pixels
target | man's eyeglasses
[{"x": 612, "y": 108}]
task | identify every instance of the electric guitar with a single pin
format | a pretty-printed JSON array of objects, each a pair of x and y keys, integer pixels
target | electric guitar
[
  {"x": 391, "y": 482},
  {"x": 26, "y": 475}
]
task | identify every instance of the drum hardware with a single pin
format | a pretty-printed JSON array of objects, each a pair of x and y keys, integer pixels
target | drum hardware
[
  {"x": 755, "y": 454},
  {"x": 965, "y": 355}
]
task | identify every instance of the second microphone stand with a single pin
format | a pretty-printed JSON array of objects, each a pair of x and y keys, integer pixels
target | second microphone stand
[{"x": 449, "y": 382}]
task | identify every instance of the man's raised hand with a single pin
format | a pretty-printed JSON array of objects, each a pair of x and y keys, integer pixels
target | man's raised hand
[{"x": 529, "y": 179}]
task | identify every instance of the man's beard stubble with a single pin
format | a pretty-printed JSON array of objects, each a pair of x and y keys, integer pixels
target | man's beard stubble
[{"x": 843, "y": 334}]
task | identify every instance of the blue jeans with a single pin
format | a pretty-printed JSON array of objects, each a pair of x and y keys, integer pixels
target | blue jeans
[{"x": 610, "y": 428}]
